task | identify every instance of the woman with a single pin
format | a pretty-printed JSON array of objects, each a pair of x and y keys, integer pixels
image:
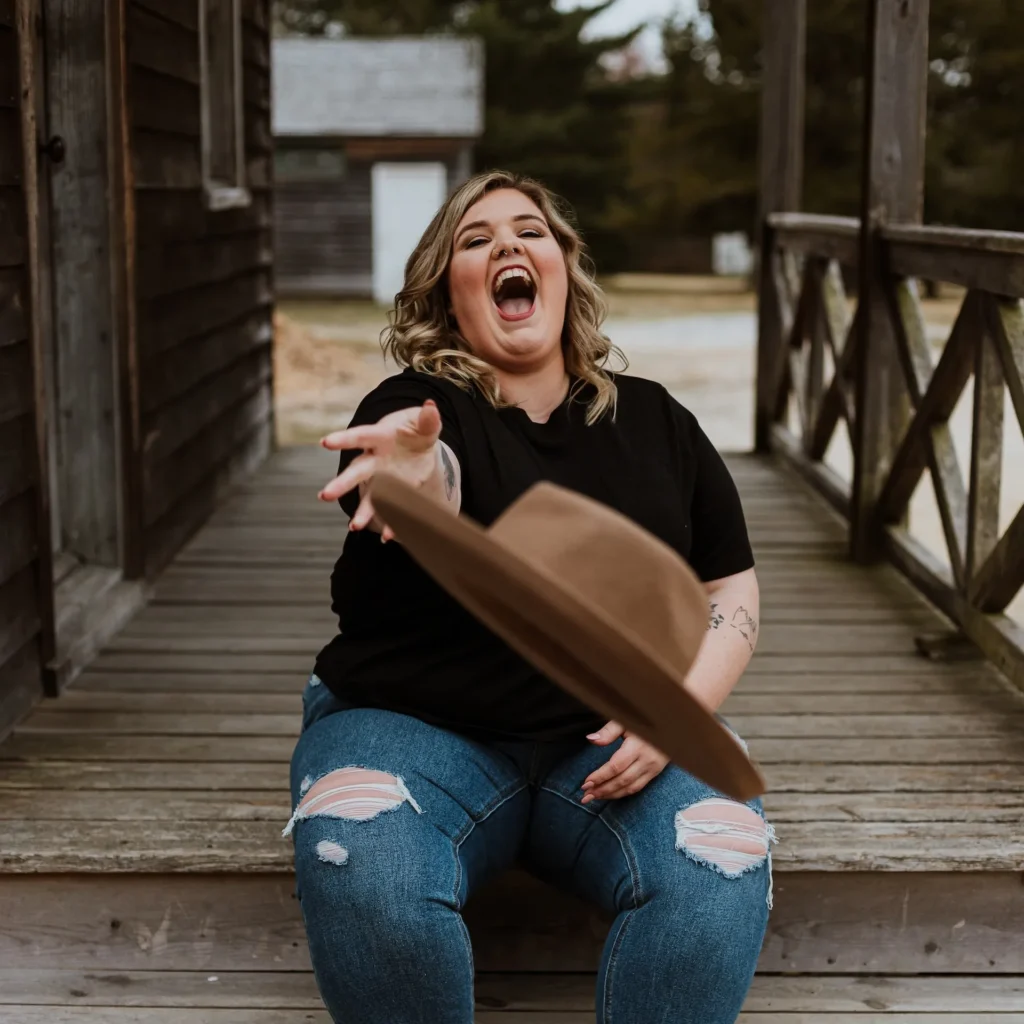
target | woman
[{"x": 432, "y": 757}]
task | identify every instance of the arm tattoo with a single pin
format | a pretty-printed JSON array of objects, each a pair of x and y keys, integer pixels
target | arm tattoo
[
  {"x": 449, "y": 473},
  {"x": 715, "y": 617},
  {"x": 747, "y": 627}
]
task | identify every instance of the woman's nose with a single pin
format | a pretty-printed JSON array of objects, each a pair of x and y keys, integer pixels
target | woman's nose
[{"x": 507, "y": 249}]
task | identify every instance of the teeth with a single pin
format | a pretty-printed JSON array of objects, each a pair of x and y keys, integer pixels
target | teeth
[{"x": 506, "y": 275}]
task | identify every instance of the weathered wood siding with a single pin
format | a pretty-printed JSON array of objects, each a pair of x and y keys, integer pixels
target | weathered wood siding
[
  {"x": 203, "y": 279},
  {"x": 20, "y": 611},
  {"x": 323, "y": 235}
]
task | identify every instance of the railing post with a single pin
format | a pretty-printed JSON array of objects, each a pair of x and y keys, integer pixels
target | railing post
[
  {"x": 781, "y": 178},
  {"x": 896, "y": 88}
]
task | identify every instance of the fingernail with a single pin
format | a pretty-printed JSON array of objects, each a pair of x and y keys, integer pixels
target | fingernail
[{"x": 593, "y": 735}]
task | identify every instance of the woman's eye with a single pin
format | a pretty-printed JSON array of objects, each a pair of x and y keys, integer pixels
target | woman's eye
[
  {"x": 475, "y": 242},
  {"x": 530, "y": 233}
]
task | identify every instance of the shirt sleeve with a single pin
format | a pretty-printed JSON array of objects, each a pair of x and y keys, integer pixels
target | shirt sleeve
[
  {"x": 392, "y": 395},
  {"x": 720, "y": 544}
]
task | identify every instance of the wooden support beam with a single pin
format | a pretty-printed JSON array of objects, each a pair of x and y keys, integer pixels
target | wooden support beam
[
  {"x": 896, "y": 83},
  {"x": 986, "y": 457},
  {"x": 781, "y": 180}
]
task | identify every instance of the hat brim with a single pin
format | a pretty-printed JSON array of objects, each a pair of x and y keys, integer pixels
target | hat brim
[{"x": 567, "y": 637}]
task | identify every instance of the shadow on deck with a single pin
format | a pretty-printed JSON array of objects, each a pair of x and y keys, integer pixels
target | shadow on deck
[{"x": 144, "y": 877}]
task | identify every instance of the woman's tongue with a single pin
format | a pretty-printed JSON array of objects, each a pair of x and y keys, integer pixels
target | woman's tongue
[{"x": 516, "y": 306}]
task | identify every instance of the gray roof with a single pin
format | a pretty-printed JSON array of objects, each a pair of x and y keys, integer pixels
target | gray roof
[{"x": 425, "y": 86}]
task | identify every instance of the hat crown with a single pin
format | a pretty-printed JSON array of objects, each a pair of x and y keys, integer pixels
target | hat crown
[{"x": 635, "y": 579}]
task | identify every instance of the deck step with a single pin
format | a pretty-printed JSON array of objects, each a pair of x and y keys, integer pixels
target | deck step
[
  {"x": 262, "y": 997},
  {"x": 823, "y": 923}
]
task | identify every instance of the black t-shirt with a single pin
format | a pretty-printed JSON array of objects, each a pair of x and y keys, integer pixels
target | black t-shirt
[{"x": 406, "y": 645}]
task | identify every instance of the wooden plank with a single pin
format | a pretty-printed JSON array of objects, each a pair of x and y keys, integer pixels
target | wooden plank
[
  {"x": 154, "y": 805},
  {"x": 986, "y": 467},
  {"x": 9, "y": 77},
  {"x": 176, "y": 216},
  {"x": 247, "y": 451},
  {"x": 172, "y": 425},
  {"x": 213, "y": 445},
  {"x": 111, "y": 776},
  {"x": 19, "y": 612},
  {"x": 187, "y": 367},
  {"x": 11, "y": 168},
  {"x": 173, "y": 804},
  {"x": 13, "y": 246},
  {"x": 257, "y": 846},
  {"x": 164, "y": 104},
  {"x": 16, "y": 463},
  {"x": 167, "y": 269},
  {"x": 79, "y": 227},
  {"x": 161, "y": 45},
  {"x": 780, "y": 183},
  {"x": 988, "y": 261},
  {"x": 507, "y": 992},
  {"x": 891, "y": 189},
  {"x": 179, "y": 12},
  {"x": 934, "y": 394},
  {"x": 18, "y": 528},
  {"x": 220, "y": 747},
  {"x": 747, "y": 701},
  {"x": 13, "y": 320},
  {"x": 815, "y": 235},
  {"x": 164, "y": 160},
  {"x": 21, "y": 684}
]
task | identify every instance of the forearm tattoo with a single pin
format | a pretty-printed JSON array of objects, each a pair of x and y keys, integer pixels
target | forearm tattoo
[
  {"x": 741, "y": 621},
  {"x": 449, "y": 473}
]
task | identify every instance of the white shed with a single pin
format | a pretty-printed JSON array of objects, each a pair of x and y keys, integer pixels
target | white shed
[{"x": 370, "y": 136}]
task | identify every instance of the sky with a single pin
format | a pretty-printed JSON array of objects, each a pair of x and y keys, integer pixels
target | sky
[{"x": 626, "y": 14}]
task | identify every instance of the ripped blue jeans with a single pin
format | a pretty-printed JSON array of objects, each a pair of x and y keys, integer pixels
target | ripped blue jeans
[{"x": 397, "y": 823}]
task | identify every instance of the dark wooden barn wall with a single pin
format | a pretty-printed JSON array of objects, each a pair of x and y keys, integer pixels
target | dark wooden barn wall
[
  {"x": 203, "y": 279},
  {"x": 20, "y": 610}
]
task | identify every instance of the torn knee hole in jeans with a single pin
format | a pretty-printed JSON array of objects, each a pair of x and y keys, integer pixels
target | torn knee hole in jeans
[
  {"x": 353, "y": 793},
  {"x": 724, "y": 835}
]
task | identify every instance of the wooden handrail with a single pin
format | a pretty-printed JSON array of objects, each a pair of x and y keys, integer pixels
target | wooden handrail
[{"x": 810, "y": 316}]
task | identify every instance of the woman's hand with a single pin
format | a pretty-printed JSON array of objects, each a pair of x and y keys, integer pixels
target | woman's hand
[
  {"x": 627, "y": 771},
  {"x": 405, "y": 443}
]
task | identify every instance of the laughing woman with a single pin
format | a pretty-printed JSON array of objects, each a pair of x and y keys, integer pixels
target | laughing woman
[{"x": 432, "y": 757}]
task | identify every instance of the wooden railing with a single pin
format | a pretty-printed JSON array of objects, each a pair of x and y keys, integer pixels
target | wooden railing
[{"x": 809, "y": 336}]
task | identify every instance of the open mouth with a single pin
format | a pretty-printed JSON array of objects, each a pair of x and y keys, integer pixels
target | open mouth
[{"x": 514, "y": 293}]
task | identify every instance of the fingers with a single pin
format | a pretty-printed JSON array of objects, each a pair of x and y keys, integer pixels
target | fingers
[
  {"x": 359, "y": 471},
  {"x": 627, "y": 771},
  {"x": 363, "y": 515},
  {"x": 606, "y": 734},
  {"x": 615, "y": 765},
  {"x": 422, "y": 432},
  {"x": 356, "y": 437},
  {"x": 632, "y": 780}
]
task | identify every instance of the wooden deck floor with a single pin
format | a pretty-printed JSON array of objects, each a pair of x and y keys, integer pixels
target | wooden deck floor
[{"x": 140, "y": 813}]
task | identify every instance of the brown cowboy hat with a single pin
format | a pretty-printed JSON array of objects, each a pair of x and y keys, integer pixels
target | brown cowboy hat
[{"x": 599, "y": 605}]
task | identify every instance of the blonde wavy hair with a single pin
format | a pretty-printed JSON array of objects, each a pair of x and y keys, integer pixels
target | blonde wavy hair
[{"x": 422, "y": 335}]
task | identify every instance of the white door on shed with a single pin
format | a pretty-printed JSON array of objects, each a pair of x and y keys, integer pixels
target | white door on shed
[{"x": 405, "y": 198}]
